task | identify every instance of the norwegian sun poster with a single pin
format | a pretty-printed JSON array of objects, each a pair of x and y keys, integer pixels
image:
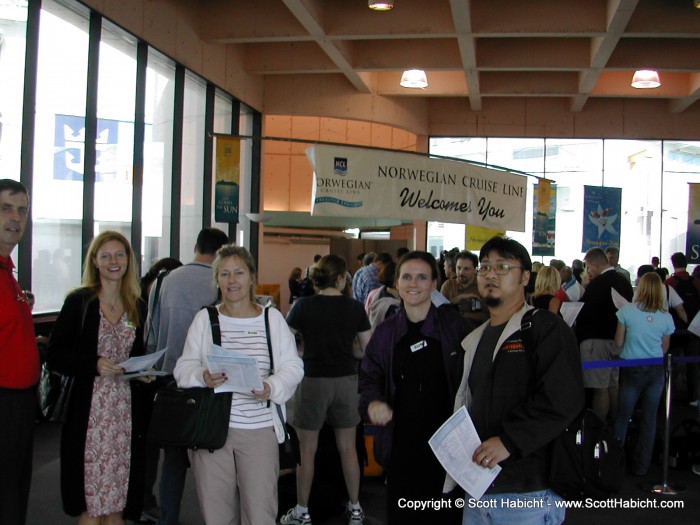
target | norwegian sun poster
[{"x": 228, "y": 179}]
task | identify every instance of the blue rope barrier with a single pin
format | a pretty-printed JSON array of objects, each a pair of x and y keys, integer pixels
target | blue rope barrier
[{"x": 651, "y": 361}]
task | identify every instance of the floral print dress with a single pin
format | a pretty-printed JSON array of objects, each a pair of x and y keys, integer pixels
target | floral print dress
[{"x": 108, "y": 439}]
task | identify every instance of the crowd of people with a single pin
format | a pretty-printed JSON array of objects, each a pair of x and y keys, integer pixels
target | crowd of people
[{"x": 402, "y": 344}]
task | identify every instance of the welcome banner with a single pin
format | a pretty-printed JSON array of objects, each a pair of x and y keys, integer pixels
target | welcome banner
[
  {"x": 367, "y": 183},
  {"x": 602, "y": 208}
]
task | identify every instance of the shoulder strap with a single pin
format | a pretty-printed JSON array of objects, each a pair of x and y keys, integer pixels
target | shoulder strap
[
  {"x": 526, "y": 332},
  {"x": 214, "y": 322},
  {"x": 156, "y": 298},
  {"x": 269, "y": 343},
  {"x": 526, "y": 337},
  {"x": 269, "y": 350}
]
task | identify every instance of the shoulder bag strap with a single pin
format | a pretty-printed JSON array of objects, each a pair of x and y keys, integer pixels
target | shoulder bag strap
[
  {"x": 156, "y": 298},
  {"x": 215, "y": 326}
]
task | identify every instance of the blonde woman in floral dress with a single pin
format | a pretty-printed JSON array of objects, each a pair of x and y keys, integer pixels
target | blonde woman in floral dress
[{"x": 101, "y": 325}]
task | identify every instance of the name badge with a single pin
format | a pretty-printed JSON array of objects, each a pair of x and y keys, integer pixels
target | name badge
[
  {"x": 252, "y": 332},
  {"x": 418, "y": 346}
]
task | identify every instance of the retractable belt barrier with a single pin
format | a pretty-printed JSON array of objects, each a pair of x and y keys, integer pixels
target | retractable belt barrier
[
  {"x": 663, "y": 488},
  {"x": 650, "y": 361}
]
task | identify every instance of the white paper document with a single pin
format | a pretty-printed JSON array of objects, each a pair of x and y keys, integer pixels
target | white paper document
[
  {"x": 242, "y": 372},
  {"x": 454, "y": 444},
  {"x": 617, "y": 299},
  {"x": 569, "y": 311},
  {"x": 438, "y": 299},
  {"x": 694, "y": 325},
  {"x": 133, "y": 375},
  {"x": 141, "y": 363}
]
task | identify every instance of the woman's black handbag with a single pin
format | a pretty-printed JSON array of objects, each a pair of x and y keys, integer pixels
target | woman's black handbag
[
  {"x": 195, "y": 418},
  {"x": 54, "y": 394},
  {"x": 290, "y": 454}
]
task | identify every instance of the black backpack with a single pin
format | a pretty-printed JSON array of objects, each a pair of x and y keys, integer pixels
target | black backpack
[
  {"x": 586, "y": 460},
  {"x": 691, "y": 300}
]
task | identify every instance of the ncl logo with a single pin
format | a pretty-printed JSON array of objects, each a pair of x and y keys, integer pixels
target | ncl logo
[{"x": 340, "y": 166}]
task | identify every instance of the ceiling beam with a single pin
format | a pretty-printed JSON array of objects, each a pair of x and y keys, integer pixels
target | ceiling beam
[
  {"x": 461, "y": 15},
  {"x": 302, "y": 10},
  {"x": 618, "y": 16}
]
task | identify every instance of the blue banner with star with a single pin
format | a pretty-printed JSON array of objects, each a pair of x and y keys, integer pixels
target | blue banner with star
[{"x": 601, "y": 217}]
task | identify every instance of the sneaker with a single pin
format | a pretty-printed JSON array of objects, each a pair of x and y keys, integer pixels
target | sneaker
[
  {"x": 696, "y": 469},
  {"x": 355, "y": 516},
  {"x": 292, "y": 519}
]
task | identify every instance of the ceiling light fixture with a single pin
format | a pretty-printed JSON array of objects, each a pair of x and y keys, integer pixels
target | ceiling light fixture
[
  {"x": 381, "y": 6},
  {"x": 414, "y": 78},
  {"x": 645, "y": 79}
]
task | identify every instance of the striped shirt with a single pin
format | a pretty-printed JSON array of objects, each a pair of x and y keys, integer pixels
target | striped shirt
[{"x": 247, "y": 338}]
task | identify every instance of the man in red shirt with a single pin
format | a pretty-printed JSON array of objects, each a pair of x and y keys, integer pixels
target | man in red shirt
[{"x": 19, "y": 363}]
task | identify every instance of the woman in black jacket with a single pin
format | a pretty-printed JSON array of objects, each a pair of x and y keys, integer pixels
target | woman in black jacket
[{"x": 100, "y": 326}]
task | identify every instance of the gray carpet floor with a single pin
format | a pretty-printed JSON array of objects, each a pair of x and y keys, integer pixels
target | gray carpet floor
[{"x": 45, "y": 501}]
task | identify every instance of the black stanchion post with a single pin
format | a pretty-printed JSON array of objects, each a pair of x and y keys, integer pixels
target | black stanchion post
[{"x": 665, "y": 488}]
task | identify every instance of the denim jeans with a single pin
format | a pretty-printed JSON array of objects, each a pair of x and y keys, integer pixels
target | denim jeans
[
  {"x": 643, "y": 383},
  {"x": 172, "y": 484},
  {"x": 528, "y": 508}
]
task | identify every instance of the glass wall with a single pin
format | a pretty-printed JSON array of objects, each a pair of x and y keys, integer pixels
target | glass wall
[
  {"x": 653, "y": 176},
  {"x": 61, "y": 199}
]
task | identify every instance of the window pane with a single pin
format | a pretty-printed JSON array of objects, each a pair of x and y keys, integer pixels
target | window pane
[
  {"x": 158, "y": 158},
  {"x": 57, "y": 199},
  {"x": 116, "y": 91},
  {"x": 571, "y": 164},
  {"x": 13, "y": 28},
  {"x": 635, "y": 166},
  {"x": 681, "y": 164},
  {"x": 192, "y": 164}
]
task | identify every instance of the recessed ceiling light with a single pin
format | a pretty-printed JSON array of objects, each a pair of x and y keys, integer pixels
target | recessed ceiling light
[
  {"x": 386, "y": 5},
  {"x": 645, "y": 79}
]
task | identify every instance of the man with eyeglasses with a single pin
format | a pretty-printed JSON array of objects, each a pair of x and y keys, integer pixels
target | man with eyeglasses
[
  {"x": 19, "y": 363},
  {"x": 521, "y": 390}
]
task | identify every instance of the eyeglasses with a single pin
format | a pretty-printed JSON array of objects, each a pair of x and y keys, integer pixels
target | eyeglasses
[{"x": 500, "y": 269}]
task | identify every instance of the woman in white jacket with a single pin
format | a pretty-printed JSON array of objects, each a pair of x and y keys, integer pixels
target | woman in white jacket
[{"x": 248, "y": 463}]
